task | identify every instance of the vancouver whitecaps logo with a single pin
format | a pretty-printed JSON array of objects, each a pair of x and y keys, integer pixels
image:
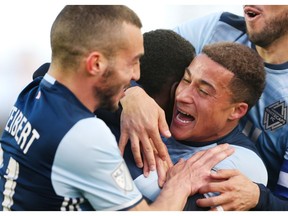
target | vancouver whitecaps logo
[{"x": 275, "y": 116}]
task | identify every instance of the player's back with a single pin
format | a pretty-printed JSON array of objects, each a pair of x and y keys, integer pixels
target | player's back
[{"x": 37, "y": 123}]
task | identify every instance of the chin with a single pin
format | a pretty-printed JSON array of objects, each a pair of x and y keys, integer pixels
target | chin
[{"x": 176, "y": 133}]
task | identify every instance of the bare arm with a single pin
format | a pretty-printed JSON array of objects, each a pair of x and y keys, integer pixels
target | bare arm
[{"x": 185, "y": 179}]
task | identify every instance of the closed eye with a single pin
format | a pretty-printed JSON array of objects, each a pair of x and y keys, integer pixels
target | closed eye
[
  {"x": 186, "y": 80},
  {"x": 202, "y": 91}
]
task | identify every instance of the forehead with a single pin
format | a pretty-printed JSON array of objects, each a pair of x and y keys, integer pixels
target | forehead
[
  {"x": 204, "y": 68},
  {"x": 133, "y": 39},
  {"x": 131, "y": 29}
]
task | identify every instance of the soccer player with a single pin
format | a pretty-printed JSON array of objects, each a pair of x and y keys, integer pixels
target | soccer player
[
  {"x": 264, "y": 29},
  {"x": 55, "y": 153}
]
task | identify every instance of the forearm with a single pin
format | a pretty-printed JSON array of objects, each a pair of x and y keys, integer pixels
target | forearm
[
  {"x": 269, "y": 202},
  {"x": 172, "y": 197}
]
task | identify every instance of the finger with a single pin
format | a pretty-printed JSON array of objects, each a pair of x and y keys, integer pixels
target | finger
[
  {"x": 164, "y": 130},
  {"x": 146, "y": 169},
  {"x": 148, "y": 151},
  {"x": 123, "y": 141},
  {"x": 194, "y": 157},
  {"x": 181, "y": 160},
  {"x": 213, "y": 187},
  {"x": 225, "y": 174},
  {"x": 158, "y": 144},
  {"x": 163, "y": 126},
  {"x": 169, "y": 161},
  {"x": 161, "y": 171},
  {"x": 214, "y": 201},
  {"x": 135, "y": 148},
  {"x": 213, "y": 156}
]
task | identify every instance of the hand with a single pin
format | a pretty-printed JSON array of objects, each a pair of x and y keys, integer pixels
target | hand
[
  {"x": 196, "y": 171},
  {"x": 162, "y": 168},
  {"x": 237, "y": 191},
  {"x": 141, "y": 121}
]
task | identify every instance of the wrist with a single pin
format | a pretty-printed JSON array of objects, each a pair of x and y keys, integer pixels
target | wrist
[
  {"x": 262, "y": 197},
  {"x": 133, "y": 92}
]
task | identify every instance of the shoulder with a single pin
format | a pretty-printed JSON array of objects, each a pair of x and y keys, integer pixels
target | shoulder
[
  {"x": 88, "y": 132},
  {"x": 237, "y": 138},
  {"x": 88, "y": 141},
  {"x": 233, "y": 20},
  {"x": 247, "y": 162}
]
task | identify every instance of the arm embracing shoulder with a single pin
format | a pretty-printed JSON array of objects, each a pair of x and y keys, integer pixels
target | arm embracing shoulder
[{"x": 269, "y": 202}]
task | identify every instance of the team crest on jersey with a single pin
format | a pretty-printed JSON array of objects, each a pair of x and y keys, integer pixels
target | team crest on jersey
[
  {"x": 123, "y": 178},
  {"x": 275, "y": 116}
]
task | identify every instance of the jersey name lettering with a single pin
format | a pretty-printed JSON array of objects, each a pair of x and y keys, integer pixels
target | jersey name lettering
[{"x": 20, "y": 128}]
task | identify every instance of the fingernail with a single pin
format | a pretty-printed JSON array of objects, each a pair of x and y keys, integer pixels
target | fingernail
[
  {"x": 146, "y": 174},
  {"x": 168, "y": 133},
  {"x": 152, "y": 167},
  {"x": 140, "y": 165}
]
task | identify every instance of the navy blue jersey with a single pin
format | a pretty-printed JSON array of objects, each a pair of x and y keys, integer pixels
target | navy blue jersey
[{"x": 57, "y": 155}]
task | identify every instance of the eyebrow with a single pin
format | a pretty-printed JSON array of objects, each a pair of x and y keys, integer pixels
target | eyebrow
[
  {"x": 202, "y": 82},
  {"x": 138, "y": 57}
]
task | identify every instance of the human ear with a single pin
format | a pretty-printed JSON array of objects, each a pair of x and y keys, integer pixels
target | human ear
[
  {"x": 96, "y": 63},
  {"x": 238, "y": 111}
]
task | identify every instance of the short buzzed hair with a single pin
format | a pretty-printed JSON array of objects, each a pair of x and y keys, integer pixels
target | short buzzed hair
[
  {"x": 80, "y": 29},
  {"x": 247, "y": 66}
]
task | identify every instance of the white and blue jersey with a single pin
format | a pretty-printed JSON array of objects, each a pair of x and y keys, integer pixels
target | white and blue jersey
[
  {"x": 245, "y": 159},
  {"x": 57, "y": 155},
  {"x": 266, "y": 123}
]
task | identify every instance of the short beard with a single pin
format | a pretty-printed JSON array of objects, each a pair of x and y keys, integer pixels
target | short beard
[
  {"x": 273, "y": 30},
  {"x": 106, "y": 94},
  {"x": 108, "y": 104}
]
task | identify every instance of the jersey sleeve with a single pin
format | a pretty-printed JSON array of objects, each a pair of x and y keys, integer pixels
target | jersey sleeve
[
  {"x": 281, "y": 189},
  {"x": 247, "y": 162},
  {"x": 88, "y": 164},
  {"x": 198, "y": 31},
  {"x": 269, "y": 202}
]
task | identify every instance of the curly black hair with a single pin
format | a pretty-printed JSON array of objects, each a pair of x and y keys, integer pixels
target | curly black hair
[{"x": 167, "y": 54}]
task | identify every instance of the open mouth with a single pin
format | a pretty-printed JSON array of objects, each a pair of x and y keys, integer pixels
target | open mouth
[
  {"x": 184, "y": 117},
  {"x": 251, "y": 12}
]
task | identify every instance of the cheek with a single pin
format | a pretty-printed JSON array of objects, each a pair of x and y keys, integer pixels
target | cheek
[
  {"x": 209, "y": 113},
  {"x": 120, "y": 77},
  {"x": 179, "y": 89}
]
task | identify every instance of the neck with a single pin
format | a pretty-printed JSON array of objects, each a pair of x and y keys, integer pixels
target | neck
[
  {"x": 77, "y": 84},
  {"x": 276, "y": 52}
]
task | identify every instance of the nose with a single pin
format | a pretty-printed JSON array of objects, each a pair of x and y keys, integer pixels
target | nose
[
  {"x": 136, "y": 72},
  {"x": 185, "y": 94}
]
